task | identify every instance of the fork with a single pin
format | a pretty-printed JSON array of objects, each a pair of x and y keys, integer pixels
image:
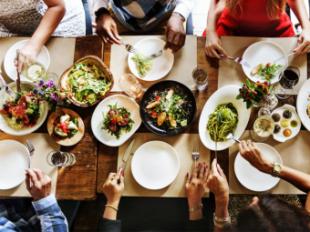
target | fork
[
  {"x": 237, "y": 59},
  {"x": 129, "y": 47},
  {"x": 30, "y": 147},
  {"x": 195, "y": 153}
]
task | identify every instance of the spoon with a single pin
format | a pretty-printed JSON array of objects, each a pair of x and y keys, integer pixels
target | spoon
[{"x": 231, "y": 136}]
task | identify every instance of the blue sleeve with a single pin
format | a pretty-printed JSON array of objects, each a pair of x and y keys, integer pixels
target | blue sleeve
[{"x": 51, "y": 217}]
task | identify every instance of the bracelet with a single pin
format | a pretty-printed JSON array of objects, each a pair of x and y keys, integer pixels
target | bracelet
[
  {"x": 194, "y": 209},
  {"x": 111, "y": 207},
  {"x": 221, "y": 222}
]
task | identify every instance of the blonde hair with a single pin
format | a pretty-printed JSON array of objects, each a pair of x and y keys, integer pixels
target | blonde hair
[{"x": 274, "y": 7}]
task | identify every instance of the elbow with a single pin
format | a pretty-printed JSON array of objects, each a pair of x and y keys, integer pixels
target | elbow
[{"x": 62, "y": 10}]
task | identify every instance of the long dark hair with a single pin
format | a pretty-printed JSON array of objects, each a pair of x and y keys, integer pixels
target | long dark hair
[{"x": 271, "y": 215}]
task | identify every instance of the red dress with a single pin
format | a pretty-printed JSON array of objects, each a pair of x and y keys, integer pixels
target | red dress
[{"x": 254, "y": 21}]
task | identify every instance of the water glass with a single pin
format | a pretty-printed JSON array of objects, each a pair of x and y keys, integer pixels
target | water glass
[
  {"x": 131, "y": 86},
  {"x": 200, "y": 78},
  {"x": 61, "y": 159}
]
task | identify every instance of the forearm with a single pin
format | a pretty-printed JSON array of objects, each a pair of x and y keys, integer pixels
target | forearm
[
  {"x": 221, "y": 211},
  {"x": 299, "y": 9},
  {"x": 195, "y": 211},
  {"x": 47, "y": 26},
  {"x": 299, "y": 179},
  {"x": 110, "y": 210},
  {"x": 215, "y": 10}
]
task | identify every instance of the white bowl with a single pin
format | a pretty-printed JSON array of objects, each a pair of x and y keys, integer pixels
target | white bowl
[
  {"x": 161, "y": 65},
  {"x": 14, "y": 160},
  {"x": 303, "y": 100},
  {"x": 155, "y": 165},
  {"x": 223, "y": 95}
]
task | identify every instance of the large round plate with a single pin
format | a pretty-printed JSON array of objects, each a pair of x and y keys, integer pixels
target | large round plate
[
  {"x": 253, "y": 179},
  {"x": 8, "y": 63},
  {"x": 303, "y": 100},
  {"x": 103, "y": 107},
  {"x": 28, "y": 130},
  {"x": 161, "y": 65},
  {"x": 155, "y": 165},
  {"x": 223, "y": 95},
  {"x": 14, "y": 160},
  {"x": 161, "y": 86},
  {"x": 263, "y": 52}
]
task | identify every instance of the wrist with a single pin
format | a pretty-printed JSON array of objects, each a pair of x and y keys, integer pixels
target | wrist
[
  {"x": 101, "y": 12},
  {"x": 114, "y": 203},
  {"x": 194, "y": 203},
  {"x": 221, "y": 207}
]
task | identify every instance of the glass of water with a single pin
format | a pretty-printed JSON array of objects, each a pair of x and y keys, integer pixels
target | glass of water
[
  {"x": 61, "y": 159},
  {"x": 200, "y": 78}
]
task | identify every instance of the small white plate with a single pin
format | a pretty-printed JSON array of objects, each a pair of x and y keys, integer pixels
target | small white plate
[
  {"x": 155, "y": 165},
  {"x": 295, "y": 130},
  {"x": 303, "y": 100},
  {"x": 8, "y": 63},
  {"x": 103, "y": 107},
  {"x": 14, "y": 160},
  {"x": 223, "y": 95},
  {"x": 25, "y": 131},
  {"x": 161, "y": 65},
  {"x": 263, "y": 52},
  {"x": 253, "y": 179}
]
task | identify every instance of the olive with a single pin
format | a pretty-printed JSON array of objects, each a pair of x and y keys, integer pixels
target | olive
[
  {"x": 287, "y": 114},
  {"x": 277, "y": 129},
  {"x": 294, "y": 123},
  {"x": 276, "y": 117}
]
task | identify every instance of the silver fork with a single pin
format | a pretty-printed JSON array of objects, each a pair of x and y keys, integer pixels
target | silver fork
[
  {"x": 238, "y": 60},
  {"x": 195, "y": 153},
  {"x": 129, "y": 47},
  {"x": 30, "y": 147}
]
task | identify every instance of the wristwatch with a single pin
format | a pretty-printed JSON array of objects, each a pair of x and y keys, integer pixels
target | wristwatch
[{"x": 276, "y": 169}]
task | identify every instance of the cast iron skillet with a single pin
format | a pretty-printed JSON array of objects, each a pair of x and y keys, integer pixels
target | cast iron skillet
[{"x": 161, "y": 86}]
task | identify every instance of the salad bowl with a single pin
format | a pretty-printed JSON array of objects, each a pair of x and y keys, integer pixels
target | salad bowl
[
  {"x": 10, "y": 126},
  {"x": 86, "y": 82}
]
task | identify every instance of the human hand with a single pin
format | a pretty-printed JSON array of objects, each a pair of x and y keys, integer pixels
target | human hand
[
  {"x": 213, "y": 47},
  {"x": 26, "y": 55},
  {"x": 251, "y": 153},
  {"x": 106, "y": 28},
  {"x": 303, "y": 42},
  {"x": 175, "y": 33},
  {"x": 38, "y": 184},
  {"x": 195, "y": 184},
  {"x": 113, "y": 188},
  {"x": 217, "y": 183}
]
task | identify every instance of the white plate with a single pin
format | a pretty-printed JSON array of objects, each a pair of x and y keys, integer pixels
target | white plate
[
  {"x": 263, "y": 52},
  {"x": 14, "y": 160},
  {"x": 253, "y": 179},
  {"x": 161, "y": 65},
  {"x": 223, "y": 95},
  {"x": 28, "y": 130},
  {"x": 102, "y": 108},
  {"x": 8, "y": 63},
  {"x": 303, "y": 100},
  {"x": 155, "y": 165},
  {"x": 295, "y": 130}
]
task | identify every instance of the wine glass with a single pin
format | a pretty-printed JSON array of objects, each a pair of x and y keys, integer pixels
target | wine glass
[{"x": 288, "y": 80}]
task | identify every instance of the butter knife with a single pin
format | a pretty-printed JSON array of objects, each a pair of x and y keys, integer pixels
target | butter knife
[{"x": 126, "y": 156}]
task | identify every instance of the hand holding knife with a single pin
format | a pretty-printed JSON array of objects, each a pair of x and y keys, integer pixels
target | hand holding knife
[{"x": 126, "y": 156}]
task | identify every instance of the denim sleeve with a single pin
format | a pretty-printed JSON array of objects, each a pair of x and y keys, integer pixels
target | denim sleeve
[
  {"x": 51, "y": 217},
  {"x": 110, "y": 225}
]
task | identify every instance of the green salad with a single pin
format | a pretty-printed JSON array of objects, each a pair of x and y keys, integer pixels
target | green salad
[
  {"x": 222, "y": 121},
  {"x": 143, "y": 64},
  {"x": 266, "y": 71},
  {"x": 88, "y": 83}
]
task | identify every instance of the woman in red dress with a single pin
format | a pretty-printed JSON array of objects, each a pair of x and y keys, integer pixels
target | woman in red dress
[{"x": 265, "y": 18}]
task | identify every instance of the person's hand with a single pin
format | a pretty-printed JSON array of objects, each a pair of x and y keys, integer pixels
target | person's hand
[
  {"x": 195, "y": 184},
  {"x": 38, "y": 184},
  {"x": 106, "y": 28},
  {"x": 26, "y": 56},
  {"x": 113, "y": 188},
  {"x": 303, "y": 42},
  {"x": 251, "y": 153},
  {"x": 217, "y": 183},
  {"x": 213, "y": 47},
  {"x": 175, "y": 33}
]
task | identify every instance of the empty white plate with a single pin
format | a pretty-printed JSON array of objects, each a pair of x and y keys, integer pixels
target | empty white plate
[
  {"x": 8, "y": 63},
  {"x": 14, "y": 160},
  {"x": 303, "y": 100},
  {"x": 161, "y": 65},
  {"x": 155, "y": 165},
  {"x": 253, "y": 179},
  {"x": 263, "y": 52}
]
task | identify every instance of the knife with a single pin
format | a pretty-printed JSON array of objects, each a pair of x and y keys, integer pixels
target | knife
[{"x": 126, "y": 156}]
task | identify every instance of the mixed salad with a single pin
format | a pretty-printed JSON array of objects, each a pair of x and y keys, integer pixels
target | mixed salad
[
  {"x": 65, "y": 126},
  {"x": 117, "y": 121},
  {"x": 23, "y": 111},
  {"x": 168, "y": 108},
  {"x": 266, "y": 71},
  {"x": 143, "y": 64},
  {"x": 88, "y": 83}
]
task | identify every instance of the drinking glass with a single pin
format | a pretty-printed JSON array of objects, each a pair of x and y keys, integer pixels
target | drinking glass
[
  {"x": 200, "y": 78},
  {"x": 288, "y": 79},
  {"x": 61, "y": 159},
  {"x": 131, "y": 86}
]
